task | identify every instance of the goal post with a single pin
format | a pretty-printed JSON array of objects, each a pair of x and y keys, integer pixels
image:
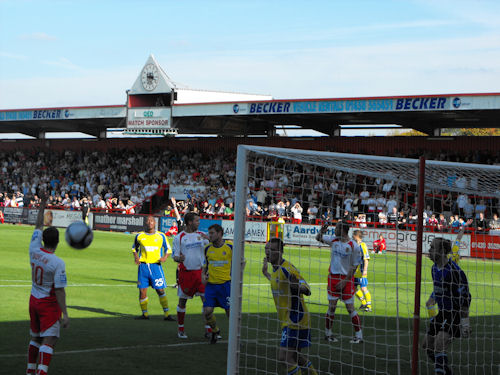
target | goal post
[{"x": 362, "y": 190}]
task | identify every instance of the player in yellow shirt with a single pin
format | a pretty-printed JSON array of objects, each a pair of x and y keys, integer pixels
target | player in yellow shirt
[
  {"x": 361, "y": 274},
  {"x": 217, "y": 277},
  {"x": 150, "y": 250},
  {"x": 288, "y": 288}
]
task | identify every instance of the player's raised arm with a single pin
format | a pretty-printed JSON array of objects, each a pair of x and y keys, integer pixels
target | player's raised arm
[
  {"x": 41, "y": 211},
  {"x": 174, "y": 205},
  {"x": 322, "y": 231},
  {"x": 265, "y": 272},
  {"x": 455, "y": 250}
]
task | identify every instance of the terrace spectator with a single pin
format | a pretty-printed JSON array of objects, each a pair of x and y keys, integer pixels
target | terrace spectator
[
  {"x": 392, "y": 202},
  {"x": 433, "y": 221},
  {"x": 381, "y": 202},
  {"x": 442, "y": 224},
  {"x": 261, "y": 196},
  {"x": 229, "y": 209},
  {"x": 297, "y": 213},
  {"x": 480, "y": 223},
  {"x": 312, "y": 213},
  {"x": 364, "y": 195},
  {"x": 281, "y": 208},
  {"x": 392, "y": 217},
  {"x": 402, "y": 219},
  {"x": 327, "y": 215},
  {"x": 461, "y": 201},
  {"x": 494, "y": 223},
  {"x": 468, "y": 209},
  {"x": 480, "y": 207},
  {"x": 348, "y": 203},
  {"x": 382, "y": 218},
  {"x": 387, "y": 186}
]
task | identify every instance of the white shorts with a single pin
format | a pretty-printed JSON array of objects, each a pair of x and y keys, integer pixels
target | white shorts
[
  {"x": 53, "y": 330},
  {"x": 181, "y": 294}
]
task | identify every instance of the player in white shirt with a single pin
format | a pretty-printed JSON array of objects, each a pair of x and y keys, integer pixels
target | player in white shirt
[
  {"x": 48, "y": 297},
  {"x": 345, "y": 258},
  {"x": 189, "y": 252}
]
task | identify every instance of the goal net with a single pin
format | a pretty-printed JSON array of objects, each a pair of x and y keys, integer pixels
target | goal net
[{"x": 398, "y": 218}]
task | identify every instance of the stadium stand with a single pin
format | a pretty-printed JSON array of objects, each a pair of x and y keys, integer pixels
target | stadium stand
[{"x": 136, "y": 178}]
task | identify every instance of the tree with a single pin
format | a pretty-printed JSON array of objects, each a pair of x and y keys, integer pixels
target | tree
[
  {"x": 406, "y": 133},
  {"x": 476, "y": 132}
]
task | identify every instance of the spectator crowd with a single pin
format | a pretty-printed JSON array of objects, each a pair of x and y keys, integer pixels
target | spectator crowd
[{"x": 123, "y": 180}]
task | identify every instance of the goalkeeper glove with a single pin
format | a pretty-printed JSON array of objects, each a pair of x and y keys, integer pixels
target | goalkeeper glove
[{"x": 465, "y": 327}]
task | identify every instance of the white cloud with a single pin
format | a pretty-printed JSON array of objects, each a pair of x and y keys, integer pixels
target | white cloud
[
  {"x": 461, "y": 65},
  {"x": 87, "y": 88},
  {"x": 13, "y": 56},
  {"x": 62, "y": 62},
  {"x": 39, "y": 36}
]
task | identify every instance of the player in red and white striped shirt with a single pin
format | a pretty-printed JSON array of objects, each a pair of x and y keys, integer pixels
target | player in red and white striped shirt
[
  {"x": 189, "y": 252},
  {"x": 48, "y": 296},
  {"x": 345, "y": 258}
]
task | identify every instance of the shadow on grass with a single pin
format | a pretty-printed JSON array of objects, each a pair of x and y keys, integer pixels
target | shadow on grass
[
  {"x": 386, "y": 348},
  {"x": 121, "y": 345},
  {"x": 98, "y": 311},
  {"x": 118, "y": 344}
]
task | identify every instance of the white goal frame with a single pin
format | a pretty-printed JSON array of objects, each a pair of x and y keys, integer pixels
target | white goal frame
[{"x": 415, "y": 174}]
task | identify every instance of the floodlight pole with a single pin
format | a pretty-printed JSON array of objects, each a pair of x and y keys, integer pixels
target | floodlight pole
[{"x": 233, "y": 349}]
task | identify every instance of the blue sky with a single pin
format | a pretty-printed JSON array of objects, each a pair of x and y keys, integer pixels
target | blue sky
[{"x": 76, "y": 53}]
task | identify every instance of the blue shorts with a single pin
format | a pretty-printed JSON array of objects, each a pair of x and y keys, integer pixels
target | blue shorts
[
  {"x": 361, "y": 281},
  {"x": 151, "y": 274},
  {"x": 217, "y": 295},
  {"x": 295, "y": 338}
]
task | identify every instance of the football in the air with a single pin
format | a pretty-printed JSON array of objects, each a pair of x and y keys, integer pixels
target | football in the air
[{"x": 79, "y": 235}]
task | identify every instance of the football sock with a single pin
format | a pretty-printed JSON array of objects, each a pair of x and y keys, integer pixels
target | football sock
[
  {"x": 368, "y": 298},
  {"x": 32, "y": 357},
  {"x": 360, "y": 296},
  {"x": 181, "y": 313},
  {"x": 212, "y": 323},
  {"x": 164, "y": 303},
  {"x": 329, "y": 323},
  {"x": 430, "y": 354},
  {"x": 295, "y": 370},
  {"x": 441, "y": 364},
  {"x": 144, "y": 306},
  {"x": 310, "y": 368},
  {"x": 356, "y": 321},
  {"x": 44, "y": 357}
]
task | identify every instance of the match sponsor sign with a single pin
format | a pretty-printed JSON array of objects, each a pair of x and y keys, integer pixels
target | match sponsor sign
[
  {"x": 255, "y": 231},
  {"x": 15, "y": 215},
  {"x": 183, "y": 192},
  {"x": 61, "y": 218},
  {"x": 166, "y": 222},
  {"x": 24, "y": 215},
  {"x": 119, "y": 222},
  {"x": 305, "y": 235},
  {"x": 485, "y": 246},
  {"x": 406, "y": 240}
]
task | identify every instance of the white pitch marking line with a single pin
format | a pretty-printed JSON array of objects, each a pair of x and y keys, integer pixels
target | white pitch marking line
[
  {"x": 118, "y": 348},
  {"x": 277, "y": 338},
  {"x": 247, "y": 285}
]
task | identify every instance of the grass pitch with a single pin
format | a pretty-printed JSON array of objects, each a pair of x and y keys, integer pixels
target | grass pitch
[{"x": 103, "y": 338}]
